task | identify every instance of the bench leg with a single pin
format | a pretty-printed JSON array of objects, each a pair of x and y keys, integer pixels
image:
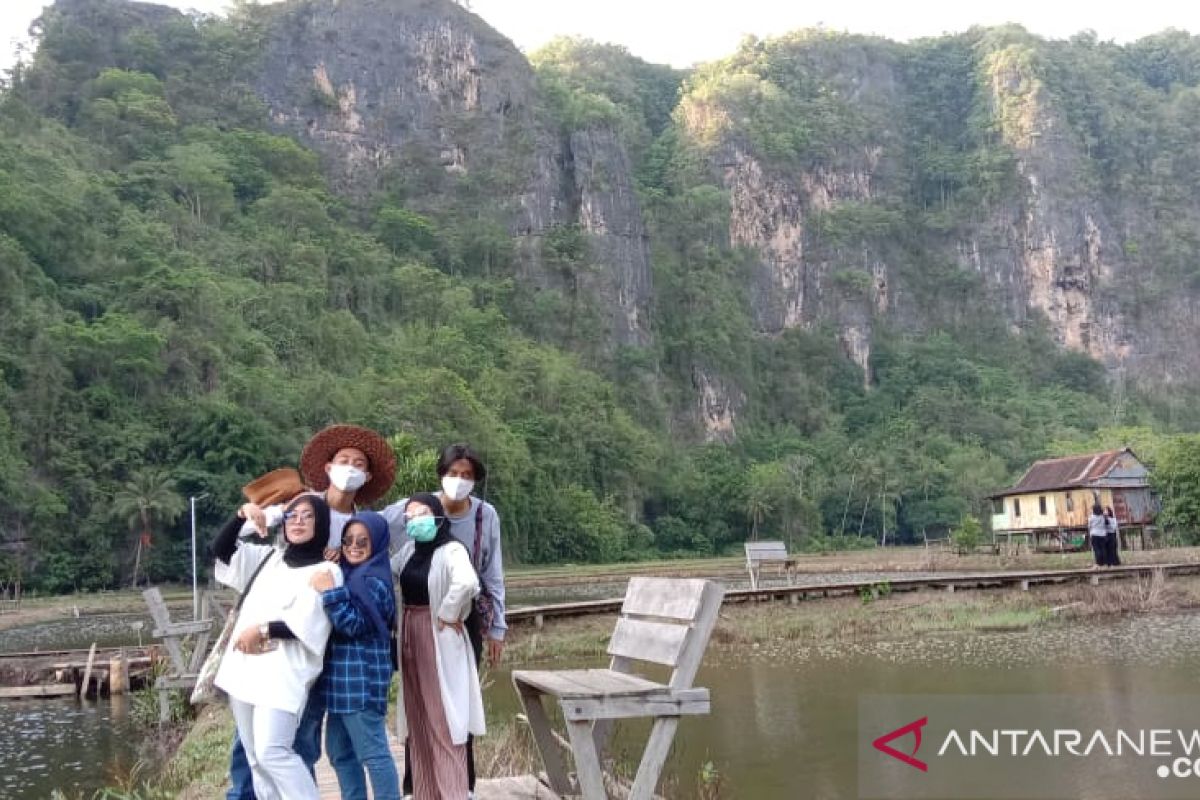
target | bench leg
[
  {"x": 587, "y": 761},
  {"x": 657, "y": 748},
  {"x": 539, "y": 724},
  {"x": 601, "y": 733}
]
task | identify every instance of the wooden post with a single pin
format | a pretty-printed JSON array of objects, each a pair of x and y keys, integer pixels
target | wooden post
[
  {"x": 87, "y": 672},
  {"x": 118, "y": 674}
]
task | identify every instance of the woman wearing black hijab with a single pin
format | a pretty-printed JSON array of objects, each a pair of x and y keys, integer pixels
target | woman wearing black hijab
[
  {"x": 278, "y": 643},
  {"x": 440, "y": 701}
]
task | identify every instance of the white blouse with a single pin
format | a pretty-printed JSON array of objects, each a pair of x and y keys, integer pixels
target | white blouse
[{"x": 279, "y": 678}]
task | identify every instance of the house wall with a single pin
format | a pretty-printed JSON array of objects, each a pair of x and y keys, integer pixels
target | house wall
[{"x": 1031, "y": 516}]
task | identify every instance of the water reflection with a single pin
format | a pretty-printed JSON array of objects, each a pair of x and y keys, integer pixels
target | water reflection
[
  {"x": 784, "y": 721},
  {"x": 61, "y": 743}
]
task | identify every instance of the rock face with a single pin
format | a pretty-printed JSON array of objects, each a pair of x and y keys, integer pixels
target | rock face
[
  {"x": 425, "y": 90},
  {"x": 424, "y": 87}
]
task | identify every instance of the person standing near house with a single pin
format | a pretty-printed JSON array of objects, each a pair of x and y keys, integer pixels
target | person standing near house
[
  {"x": 1113, "y": 539},
  {"x": 1098, "y": 534}
]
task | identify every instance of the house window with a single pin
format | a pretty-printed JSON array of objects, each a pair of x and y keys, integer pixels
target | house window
[
  {"x": 1070, "y": 502},
  {"x": 997, "y": 506},
  {"x": 1042, "y": 505},
  {"x": 1016, "y": 507}
]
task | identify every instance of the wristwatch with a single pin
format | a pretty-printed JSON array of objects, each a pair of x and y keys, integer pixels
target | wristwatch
[{"x": 264, "y": 632}]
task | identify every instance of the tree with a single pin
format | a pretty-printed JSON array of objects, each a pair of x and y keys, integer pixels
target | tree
[
  {"x": 967, "y": 535},
  {"x": 146, "y": 500}
]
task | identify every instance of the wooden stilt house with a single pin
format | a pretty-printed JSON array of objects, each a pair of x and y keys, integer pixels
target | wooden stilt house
[{"x": 1052, "y": 500}]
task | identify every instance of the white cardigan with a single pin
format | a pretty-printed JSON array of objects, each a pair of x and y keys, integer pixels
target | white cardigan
[{"x": 453, "y": 584}]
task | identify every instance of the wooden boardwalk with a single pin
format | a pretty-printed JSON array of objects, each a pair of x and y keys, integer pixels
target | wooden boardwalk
[
  {"x": 523, "y": 787},
  {"x": 897, "y": 581}
]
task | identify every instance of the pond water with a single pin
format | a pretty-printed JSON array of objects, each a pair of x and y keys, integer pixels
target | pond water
[
  {"x": 78, "y": 633},
  {"x": 784, "y": 717},
  {"x": 65, "y": 744}
]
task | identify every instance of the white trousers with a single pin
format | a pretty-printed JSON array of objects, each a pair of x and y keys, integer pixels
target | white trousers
[{"x": 267, "y": 735}]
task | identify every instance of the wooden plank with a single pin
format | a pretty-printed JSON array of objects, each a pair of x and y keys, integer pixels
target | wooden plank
[
  {"x": 675, "y": 598},
  {"x": 47, "y": 690},
  {"x": 158, "y": 606},
  {"x": 585, "y": 683},
  {"x": 87, "y": 672},
  {"x": 657, "y": 642},
  {"x": 693, "y": 651},
  {"x": 657, "y": 705},
  {"x": 182, "y": 628},
  {"x": 653, "y": 758},
  {"x": 175, "y": 682},
  {"x": 587, "y": 761},
  {"x": 539, "y": 726}
]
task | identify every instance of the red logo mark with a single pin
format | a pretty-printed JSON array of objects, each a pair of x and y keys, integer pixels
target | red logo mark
[{"x": 881, "y": 744}]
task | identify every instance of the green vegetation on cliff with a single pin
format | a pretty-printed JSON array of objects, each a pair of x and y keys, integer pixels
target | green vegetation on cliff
[{"x": 184, "y": 299}]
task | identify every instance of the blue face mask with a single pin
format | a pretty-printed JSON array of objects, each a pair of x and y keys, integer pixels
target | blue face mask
[{"x": 422, "y": 529}]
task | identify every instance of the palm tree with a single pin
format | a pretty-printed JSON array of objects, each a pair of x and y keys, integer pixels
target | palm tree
[{"x": 147, "y": 498}]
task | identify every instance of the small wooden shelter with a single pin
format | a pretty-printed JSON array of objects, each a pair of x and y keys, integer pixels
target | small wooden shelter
[{"x": 1054, "y": 497}]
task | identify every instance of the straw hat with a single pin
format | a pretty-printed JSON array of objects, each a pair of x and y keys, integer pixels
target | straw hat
[
  {"x": 321, "y": 449},
  {"x": 277, "y": 486}
]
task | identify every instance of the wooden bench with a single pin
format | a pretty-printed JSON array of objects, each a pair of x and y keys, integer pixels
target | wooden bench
[
  {"x": 759, "y": 553},
  {"x": 662, "y": 621},
  {"x": 175, "y": 636}
]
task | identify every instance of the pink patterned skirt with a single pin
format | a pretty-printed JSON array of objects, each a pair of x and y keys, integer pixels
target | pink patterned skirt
[{"x": 439, "y": 767}]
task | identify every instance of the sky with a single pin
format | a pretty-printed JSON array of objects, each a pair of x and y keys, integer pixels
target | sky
[{"x": 683, "y": 32}]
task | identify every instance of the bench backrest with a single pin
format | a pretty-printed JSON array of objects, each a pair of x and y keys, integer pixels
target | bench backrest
[
  {"x": 766, "y": 551},
  {"x": 666, "y": 621}
]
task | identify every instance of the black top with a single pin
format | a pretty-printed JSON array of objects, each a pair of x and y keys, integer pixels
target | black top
[
  {"x": 414, "y": 578},
  {"x": 414, "y": 581}
]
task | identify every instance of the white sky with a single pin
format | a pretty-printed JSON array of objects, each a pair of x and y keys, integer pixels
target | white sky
[{"x": 682, "y": 32}]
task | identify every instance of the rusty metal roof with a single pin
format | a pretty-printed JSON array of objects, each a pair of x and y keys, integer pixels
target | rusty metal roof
[{"x": 1065, "y": 473}]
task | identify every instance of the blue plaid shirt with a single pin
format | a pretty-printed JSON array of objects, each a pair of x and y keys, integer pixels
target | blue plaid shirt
[{"x": 358, "y": 668}]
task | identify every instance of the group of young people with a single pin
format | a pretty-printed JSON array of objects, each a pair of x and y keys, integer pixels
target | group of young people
[
  {"x": 344, "y": 600},
  {"x": 1105, "y": 536}
]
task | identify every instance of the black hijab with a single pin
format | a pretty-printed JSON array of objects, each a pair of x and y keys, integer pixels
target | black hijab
[
  {"x": 442, "y": 537},
  {"x": 311, "y": 552}
]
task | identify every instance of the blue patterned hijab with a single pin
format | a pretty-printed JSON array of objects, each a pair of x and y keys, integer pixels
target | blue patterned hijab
[{"x": 376, "y": 566}]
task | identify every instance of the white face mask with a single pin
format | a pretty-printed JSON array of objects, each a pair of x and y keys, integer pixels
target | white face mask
[
  {"x": 457, "y": 488},
  {"x": 346, "y": 477}
]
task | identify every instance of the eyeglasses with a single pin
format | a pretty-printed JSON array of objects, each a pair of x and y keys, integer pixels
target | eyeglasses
[
  {"x": 299, "y": 517},
  {"x": 356, "y": 541}
]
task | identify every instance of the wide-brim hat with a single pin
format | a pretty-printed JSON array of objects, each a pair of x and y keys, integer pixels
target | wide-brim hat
[
  {"x": 277, "y": 486},
  {"x": 321, "y": 449}
]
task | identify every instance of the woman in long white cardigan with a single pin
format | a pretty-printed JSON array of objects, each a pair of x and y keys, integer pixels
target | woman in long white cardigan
[{"x": 440, "y": 700}]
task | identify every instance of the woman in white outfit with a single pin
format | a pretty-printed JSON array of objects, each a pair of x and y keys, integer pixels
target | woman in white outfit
[
  {"x": 278, "y": 643},
  {"x": 440, "y": 701}
]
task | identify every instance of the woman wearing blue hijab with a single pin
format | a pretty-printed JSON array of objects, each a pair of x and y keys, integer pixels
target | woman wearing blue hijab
[{"x": 359, "y": 662}]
